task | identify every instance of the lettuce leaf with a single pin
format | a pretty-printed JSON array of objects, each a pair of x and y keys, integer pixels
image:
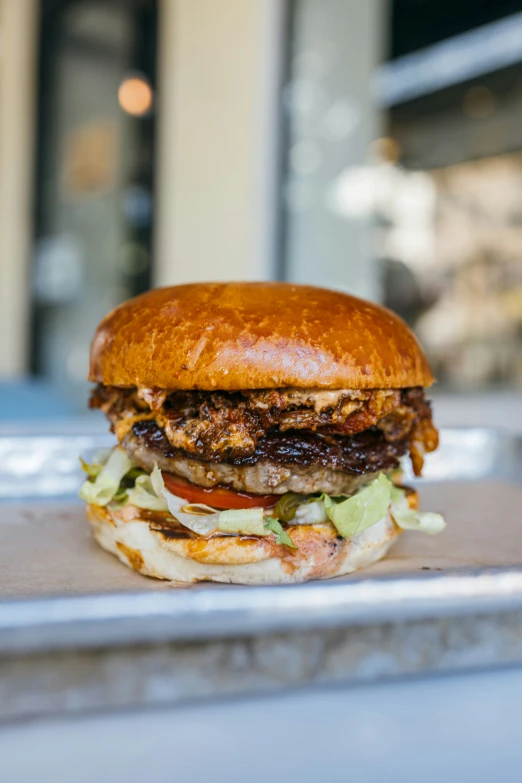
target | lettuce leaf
[
  {"x": 313, "y": 512},
  {"x": 149, "y": 492},
  {"x": 288, "y": 504},
  {"x": 251, "y": 521},
  {"x": 364, "y": 509},
  {"x": 202, "y": 524},
  {"x": 98, "y": 461},
  {"x": 143, "y": 495},
  {"x": 408, "y": 519},
  {"x": 248, "y": 521},
  {"x": 282, "y": 537},
  {"x": 91, "y": 468},
  {"x": 113, "y": 478},
  {"x": 424, "y": 521},
  {"x": 154, "y": 496},
  {"x": 106, "y": 484},
  {"x": 398, "y": 496}
]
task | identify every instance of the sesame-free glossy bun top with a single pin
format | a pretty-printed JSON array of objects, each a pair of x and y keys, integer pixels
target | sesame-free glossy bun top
[{"x": 235, "y": 336}]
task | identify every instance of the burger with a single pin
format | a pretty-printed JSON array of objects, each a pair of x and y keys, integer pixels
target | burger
[{"x": 260, "y": 429}]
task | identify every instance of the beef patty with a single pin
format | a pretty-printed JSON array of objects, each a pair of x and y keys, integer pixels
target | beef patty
[
  {"x": 271, "y": 438},
  {"x": 283, "y": 462},
  {"x": 366, "y": 452}
]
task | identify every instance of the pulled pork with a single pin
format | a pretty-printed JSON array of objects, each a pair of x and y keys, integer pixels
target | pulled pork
[{"x": 352, "y": 431}]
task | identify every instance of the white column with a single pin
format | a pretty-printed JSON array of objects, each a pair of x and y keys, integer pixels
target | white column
[
  {"x": 333, "y": 120},
  {"x": 18, "y": 28},
  {"x": 218, "y": 86}
]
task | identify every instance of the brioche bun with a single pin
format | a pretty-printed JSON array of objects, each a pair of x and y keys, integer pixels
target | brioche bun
[
  {"x": 233, "y": 336},
  {"x": 321, "y": 552}
]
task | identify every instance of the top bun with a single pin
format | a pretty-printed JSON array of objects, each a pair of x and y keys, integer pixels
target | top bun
[{"x": 235, "y": 336}]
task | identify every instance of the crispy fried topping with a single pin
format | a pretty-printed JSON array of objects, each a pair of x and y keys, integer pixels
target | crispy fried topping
[{"x": 236, "y": 426}]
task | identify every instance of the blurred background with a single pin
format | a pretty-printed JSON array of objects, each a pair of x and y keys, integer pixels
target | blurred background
[{"x": 372, "y": 146}]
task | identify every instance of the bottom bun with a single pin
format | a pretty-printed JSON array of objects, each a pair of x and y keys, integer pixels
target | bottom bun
[{"x": 152, "y": 548}]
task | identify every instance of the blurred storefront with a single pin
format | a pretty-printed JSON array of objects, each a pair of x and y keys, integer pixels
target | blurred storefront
[
  {"x": 457, "y": 141},
  {"x": 135, "y": 143},
  {"x": 94, "y": 181},
  {"x": 370, "y": 146},
  {"x": 415, "y": 171}
]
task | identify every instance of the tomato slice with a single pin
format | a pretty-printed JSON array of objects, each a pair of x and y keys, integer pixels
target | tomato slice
[{"x": 218, "y": 497}]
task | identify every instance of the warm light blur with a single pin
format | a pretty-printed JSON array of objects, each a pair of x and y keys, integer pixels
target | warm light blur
[{"x": 135, "y": 96}]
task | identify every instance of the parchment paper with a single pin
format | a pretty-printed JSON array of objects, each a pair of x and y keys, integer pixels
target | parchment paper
[{"x": 47, "y": 548}]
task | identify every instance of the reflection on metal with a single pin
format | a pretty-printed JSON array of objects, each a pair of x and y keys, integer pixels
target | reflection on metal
[
  {"x": 37, "y": 466},
  {"x": 45, "y": 466},
  {"x": 217, "y": 612},
  {"x": 462, "y": 57},
  {"x": 472, "y": 454}
]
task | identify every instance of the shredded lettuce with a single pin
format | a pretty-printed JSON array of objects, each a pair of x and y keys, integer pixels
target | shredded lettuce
[
  {"x": 282, "y": 537},
  {"x": 424, "y": 521},
  {"x": 398, "y": 495},
  {"x": 202, "y": 524},
  {"x": 251, "y": 521},
  {"x": 121, "y": 496},
  {"x": 113, "y": 478},
  {"x": 248, "y": 521},
  {"x": 106, "y": 484},
  {"x": 91, "y": 468},
  {"x": 362, "y": 510},
  {"x": 288, "y": 504},
  {"x": 199, "y": 508},
  {"x": 156, "y": 480},
  {"x": 143, "y": 495},
  {"x": 301, "y": 509},
  {"x": 313, "y": 512},
  {"x": 351, "y": 515},
  {"x": 409, "y": 519},
  {"x": 158, "y": 498},
  {"x": 149, "y": 492},
  {"x": 98, "y": 461},
  {"x": 237, "y": 521}
]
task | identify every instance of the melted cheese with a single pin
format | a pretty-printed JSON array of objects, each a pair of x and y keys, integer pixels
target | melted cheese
[
  {"x": 327, "y": 399},
  {"x": 155, "y": 398},
  {"x": 318, "y": 397}
]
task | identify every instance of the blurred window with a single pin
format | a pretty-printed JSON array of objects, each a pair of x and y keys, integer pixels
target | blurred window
[
  {"x": 403, "y": 177},
  {"x": 454, "y": 224},
  {"x": 94, "y": 209}
]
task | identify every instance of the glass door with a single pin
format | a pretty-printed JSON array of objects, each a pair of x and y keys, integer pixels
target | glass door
[{"x": 94, "y": 207}]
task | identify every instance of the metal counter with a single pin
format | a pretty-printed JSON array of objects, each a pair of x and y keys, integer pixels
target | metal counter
[{"x": 80, "y": 631}]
